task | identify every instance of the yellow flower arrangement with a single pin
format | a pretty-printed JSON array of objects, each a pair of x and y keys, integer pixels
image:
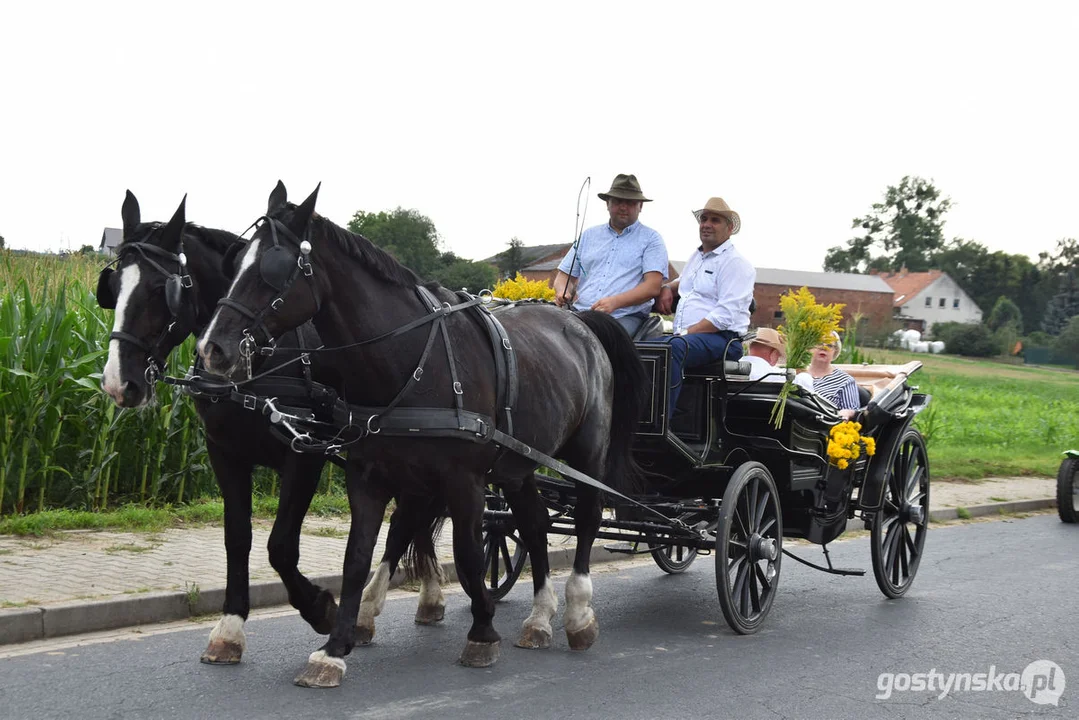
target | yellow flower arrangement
[
  {"x": 845, "y": 444},
  {"x": 521, "y": 288},
  {"x": 807, "y": 324}
]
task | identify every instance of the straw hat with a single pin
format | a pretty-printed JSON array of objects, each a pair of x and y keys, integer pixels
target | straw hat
[
  {"x": 625, "y": 187},
  {"x": 770, "y": 338},
  {"x": 720, "y": 206}
]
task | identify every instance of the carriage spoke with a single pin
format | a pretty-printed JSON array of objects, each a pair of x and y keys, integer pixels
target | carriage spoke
[
  {"x": 762, "y": 505},
  {"x": 739, "y": 576},
  {"x": 741, "y": 521},
  {"x": 751, "y": 504},
  {"x": 914, "y": 481},
  {"x": 912, "y": 548},
  {"x": 507, "y": 559},
  {"x": 768, "y": 525},
  {"x": 755, "y": 593}
]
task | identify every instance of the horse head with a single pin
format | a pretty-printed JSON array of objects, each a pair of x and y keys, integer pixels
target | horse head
[
  {"x": 274, "y": 289},
  {"x": 148, "y": 290}
]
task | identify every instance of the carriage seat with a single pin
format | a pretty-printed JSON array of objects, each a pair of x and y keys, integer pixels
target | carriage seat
[{"x": 651, "y": 328}]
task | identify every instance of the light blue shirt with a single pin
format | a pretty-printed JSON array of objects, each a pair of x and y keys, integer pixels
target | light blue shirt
[
  {"x": 608, "y": 263},
  {"x": 717, "y": 285}
]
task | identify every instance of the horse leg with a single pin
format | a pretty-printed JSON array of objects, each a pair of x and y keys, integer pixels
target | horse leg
[
  {"x": 326, "y": 666},
  {"x": 227, "y": 641},
  {"x": 530, "y": 517},
  {"x": 465, "y": 498},
  {"x": 299, "y": 480},
  {"x": 407, "y": 524},
  {"x": 580, "y": 622}
]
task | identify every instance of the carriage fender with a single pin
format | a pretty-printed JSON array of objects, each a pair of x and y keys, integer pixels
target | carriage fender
[
  {"x": 873, "y": 488},
  {"x": 1072, "y": 453}
]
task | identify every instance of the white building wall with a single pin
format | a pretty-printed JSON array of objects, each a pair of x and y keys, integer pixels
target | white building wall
[{"x": 958, "y": 307}]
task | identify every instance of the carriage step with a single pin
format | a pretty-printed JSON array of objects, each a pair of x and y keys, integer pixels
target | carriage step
[
  {"x": 623, "y": 547},
  {"x": 848, "y": 571}
]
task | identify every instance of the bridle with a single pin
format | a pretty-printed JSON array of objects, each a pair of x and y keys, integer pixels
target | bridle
[
  {"x": 175, "y": 284},
  {"x": 279, "y": 272}
]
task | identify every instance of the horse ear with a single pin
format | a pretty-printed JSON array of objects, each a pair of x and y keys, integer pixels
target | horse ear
[
  {"x": 228, "y": 261},
  {"x": 174, "y": 231},
  {"x": 278, "y": 198},
  {"x": 303, "y": 213},
  {"x": 130, "y": 213}
]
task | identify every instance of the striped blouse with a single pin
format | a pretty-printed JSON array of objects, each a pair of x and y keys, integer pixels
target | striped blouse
[{"x": 838, "y": 388}]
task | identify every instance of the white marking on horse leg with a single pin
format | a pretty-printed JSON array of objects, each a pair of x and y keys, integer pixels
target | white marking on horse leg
[
  {"x": 248, "y": 260},
  {"x": 432, "y": 605},
  {"x": 227, "y": 641},
  {"x": 536, "y": 631},
  {"x": 112, "y": 380},
  {"x": 578, "y": 601},
  {"x": 371, "y": 603}
]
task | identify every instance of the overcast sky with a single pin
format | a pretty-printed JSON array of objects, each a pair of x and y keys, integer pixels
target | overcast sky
[{"x": 487, "y": 117}]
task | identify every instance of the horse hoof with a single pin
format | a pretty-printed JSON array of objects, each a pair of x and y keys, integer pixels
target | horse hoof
[
  {"x": 534, "y": 638},
  {"x": 222, "y": 652},
  {"x": 364, "y": 635},
  {"x": 430, "y": 614},
  {"x": 480, "y": 655},
  {"x": 322, "y": 671},
  {"x": 582, "y": 639}
]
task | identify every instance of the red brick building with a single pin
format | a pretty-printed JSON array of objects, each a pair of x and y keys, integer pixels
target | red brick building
[{"x": 865, "y": 294}]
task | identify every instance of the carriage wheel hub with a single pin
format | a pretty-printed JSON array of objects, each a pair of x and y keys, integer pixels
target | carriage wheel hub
[{"x": 763, "y": 548}]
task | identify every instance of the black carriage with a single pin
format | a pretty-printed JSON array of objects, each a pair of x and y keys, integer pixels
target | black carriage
[{"x": 722, "y": 480}]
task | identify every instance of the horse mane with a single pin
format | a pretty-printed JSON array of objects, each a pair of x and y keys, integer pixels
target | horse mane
[
  {"x": 218, "y": 240},
  {"x": 374, "y": 258}
]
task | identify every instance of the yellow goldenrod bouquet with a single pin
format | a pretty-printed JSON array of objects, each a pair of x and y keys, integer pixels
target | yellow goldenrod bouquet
[
  {"x": 521, "y": 288},
  {"x": 846, "y": 443},
  {"x": 807, "y": 324}
]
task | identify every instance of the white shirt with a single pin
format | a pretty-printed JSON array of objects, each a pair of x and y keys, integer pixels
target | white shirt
[
  {"x": 717, "y": 285},
  {"x": 761, "y": 369}
]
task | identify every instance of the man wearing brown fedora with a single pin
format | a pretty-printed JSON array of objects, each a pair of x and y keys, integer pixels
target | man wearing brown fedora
[
  {"x": 714, "y": 291},
  {"x": 764, "y": 352},
  {"x": 617, "y": 267}
]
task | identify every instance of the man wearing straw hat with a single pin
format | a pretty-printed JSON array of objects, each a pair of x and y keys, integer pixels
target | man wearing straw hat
[
  {"x": 619, "y": 266},
  {"x": 715, "y": 291}
]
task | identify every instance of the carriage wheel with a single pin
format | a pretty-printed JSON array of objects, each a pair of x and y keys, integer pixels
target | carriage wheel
[
  {"x": 504, "y": 553},
  {"x": 1067, "y": 489},
  {"x": 673, "y": 559},
  {"x": 899, "y": 527},
  {"x": 749, "y": 547}
]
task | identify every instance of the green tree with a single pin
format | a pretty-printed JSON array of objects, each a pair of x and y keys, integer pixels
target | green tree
[
  {"x": 906, "y": 230},
  {"x": 1005, "y": 313},
  {"x": 511, "y": 261},
  {"x": 87, "y": 250},
  {"x": 1064, "y": 305},
  {"x": 408, "y": 235},
  {"x": 458, "y": 274},
  {"x": 1067, "y": 343},
  {"x": 1, "y": 242}
]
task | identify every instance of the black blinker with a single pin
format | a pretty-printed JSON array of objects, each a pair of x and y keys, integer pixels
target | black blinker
[
  {"x": 174, "y": 294},
  {"x": 275, "y": 266},
  {"x": 106, "y": 293}
]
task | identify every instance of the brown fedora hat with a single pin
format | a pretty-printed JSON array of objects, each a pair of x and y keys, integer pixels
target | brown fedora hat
[
  {"x": 770, "y": 338},
  {"x": 720, "y": 206},
  {"x": 625, "y": 187}
]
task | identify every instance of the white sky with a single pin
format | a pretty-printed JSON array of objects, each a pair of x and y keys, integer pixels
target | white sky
[{"x": 487, "y": 117}]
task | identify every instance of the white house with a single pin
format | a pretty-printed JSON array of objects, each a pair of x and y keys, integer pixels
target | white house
[{"x": 925, "y": 298}]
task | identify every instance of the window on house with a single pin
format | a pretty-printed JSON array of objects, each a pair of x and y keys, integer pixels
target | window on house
[
  {"x": 929, "y": 302},
  {"x": 778, "y": 315},
  {"x": 943, "y": 302},
  {"x": 955, "y": 304}
]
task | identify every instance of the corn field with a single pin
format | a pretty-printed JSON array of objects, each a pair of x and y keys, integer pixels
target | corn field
[{"x": 63, "y": 442}]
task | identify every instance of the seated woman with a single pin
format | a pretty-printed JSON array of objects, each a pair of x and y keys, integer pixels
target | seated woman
[{"x": 831, "y": 383}]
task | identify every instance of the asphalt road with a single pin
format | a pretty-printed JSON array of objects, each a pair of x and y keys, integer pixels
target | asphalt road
[{"x": 991, "y": 598}]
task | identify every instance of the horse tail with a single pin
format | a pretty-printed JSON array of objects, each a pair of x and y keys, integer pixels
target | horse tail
[
  {"x": 421, "y": 560},
  {"x": 630, "y": 389}
]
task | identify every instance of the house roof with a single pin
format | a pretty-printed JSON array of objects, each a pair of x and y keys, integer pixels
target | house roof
[
  {"x": 532, "y": 253},
  {"x": 545, "y": 266},
  {"x": 829, "y": 280},
  {"x": 908, "y": 284}
]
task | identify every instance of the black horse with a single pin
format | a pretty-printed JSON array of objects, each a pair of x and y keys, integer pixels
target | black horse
[
  {"x": 403, "y": 348},
  {"x": 166, "y": 286}
]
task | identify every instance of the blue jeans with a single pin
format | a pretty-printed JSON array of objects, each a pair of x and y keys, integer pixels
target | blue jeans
[{"x": 698, "y": 349}]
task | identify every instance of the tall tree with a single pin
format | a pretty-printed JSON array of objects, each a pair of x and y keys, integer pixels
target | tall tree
[
  {"x": 1, "y": 242},
  {"x": 1005, "y": 313},
  {"x": 511, "y": 260},
  {"x": 408, "y": 235},
  {"x": 1064, "y": 305},
  {"x": 904, "y": 230}
]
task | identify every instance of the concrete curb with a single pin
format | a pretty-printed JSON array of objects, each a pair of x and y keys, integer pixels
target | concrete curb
[{"x": 19, "y": 625}]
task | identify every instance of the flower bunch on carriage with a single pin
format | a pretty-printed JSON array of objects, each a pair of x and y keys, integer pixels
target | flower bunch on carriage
[
  {"x": 846, "y": 444},
  {"x": 807, "y": 324},
  {"x": 521, "y": 288}
]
